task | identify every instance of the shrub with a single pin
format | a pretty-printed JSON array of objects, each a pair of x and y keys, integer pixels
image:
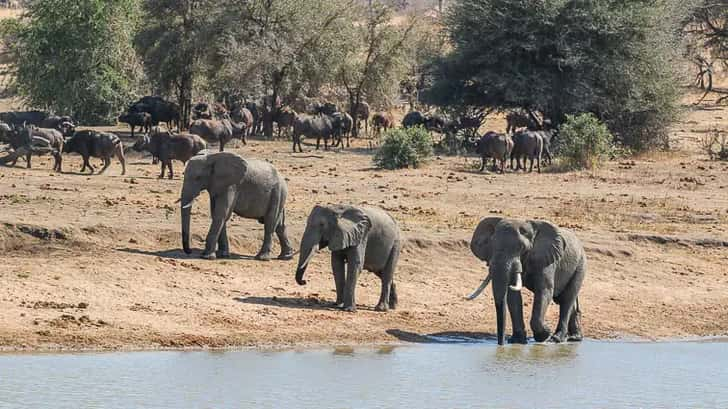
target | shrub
[
  {"x": 404, "y": 148},
  {"x": 584, "y": 141}
]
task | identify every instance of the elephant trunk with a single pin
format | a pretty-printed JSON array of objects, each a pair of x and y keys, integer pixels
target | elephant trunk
[
  {"x": 500, "y": 271},
  {"x": 308, "y": 249},
  {"x": 186, "y": 200},
  {"x": 186, "y": 216}
]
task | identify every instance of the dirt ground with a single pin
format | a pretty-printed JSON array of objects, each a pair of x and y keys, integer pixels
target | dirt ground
[{"x": 94, "y": 262}]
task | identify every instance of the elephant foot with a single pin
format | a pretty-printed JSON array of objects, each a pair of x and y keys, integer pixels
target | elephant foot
[
  {"x": 557, "y": 338},
  {"x": 263, "y": 256},
  {"x": 208, "y": 256},
  {"x": 518, "y": 338},
  {"x": 286, "y": 255},
  {"x": 574, "y": 337},
  {"x": 223, "y": 254},
  {"x": 337, "y": 304},
  {"x": 349, "y": 308},
  {"x": 542, "y": 336},
  {"x": 381, "y": 307}
]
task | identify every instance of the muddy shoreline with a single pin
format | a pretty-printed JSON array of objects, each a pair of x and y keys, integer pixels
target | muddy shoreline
[{"x": 95, "y": 262}]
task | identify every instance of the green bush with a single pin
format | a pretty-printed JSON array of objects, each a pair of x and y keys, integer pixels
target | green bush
[
  {"x": 404, "y": 148},
  {"x": 584, "y": 141}
]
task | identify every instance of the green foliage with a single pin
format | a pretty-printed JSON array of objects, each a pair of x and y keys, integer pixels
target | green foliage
[
  {"x": 584, "y": 141},
  {"x": 404, "y": 148},
  {"x": 614, "y": 58},
  {"x": 75, "y": 57},
  {"x": 378, "y": 57}
]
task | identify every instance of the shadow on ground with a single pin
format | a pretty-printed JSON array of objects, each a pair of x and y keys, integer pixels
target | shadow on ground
[
  {"x": 179, "y": 254},
  {"x": 447, "y": 337}
]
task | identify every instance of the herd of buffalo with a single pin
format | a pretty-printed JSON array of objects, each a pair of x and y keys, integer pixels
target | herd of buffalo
[{"x": 31, "y": 133}]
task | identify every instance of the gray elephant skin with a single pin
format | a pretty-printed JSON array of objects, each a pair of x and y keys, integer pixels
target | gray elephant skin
[
  {"x": 548, "y": 260},
  {"x": 250, "y": 188},
  {"x": 359, "y": 238}
]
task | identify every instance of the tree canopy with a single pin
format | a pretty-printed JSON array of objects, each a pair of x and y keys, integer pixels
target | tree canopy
[
  {"x": 609, "y": 57},
  {"x": 75, "y": 57}
]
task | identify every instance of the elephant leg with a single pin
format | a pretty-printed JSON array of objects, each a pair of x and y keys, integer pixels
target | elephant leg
[
  {"x": 567, "y": 307},
  {"x": 574, "y": 334},
  {"x": 355, "y": 262},
  {"x": 338, "y": 265},
  {"x": 220, "y": 209},
  {"x": 393, "y": 299},
  {"x": 269, "y": 226},
  {"x": 541, "y": 300},
  {"x": 387, "y": 279},
  {"x": 515, "y": 307},
  {"x": 287, "y": 251},
  {"x": 223, "y": 245}
]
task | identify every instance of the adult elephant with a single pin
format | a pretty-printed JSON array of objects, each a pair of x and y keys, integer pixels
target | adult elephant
[
  {"x": 548, "y": 260},
  {"x": 358, "y": 237},
  {"x": 250, "y": 188}
]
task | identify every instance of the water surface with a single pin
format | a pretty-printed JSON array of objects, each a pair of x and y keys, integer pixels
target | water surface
[{"x": 452, "y": 375}]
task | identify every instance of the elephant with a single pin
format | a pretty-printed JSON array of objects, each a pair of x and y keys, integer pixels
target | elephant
[
  {"x": 496, "y": 146},
  {"x": 527, "y": 144},
  {"x": 548, "y": 260},
  {"x": 319, "y": 126},
  {"x": 358, "y": 237},
  {"x": 251, "y": 188}
]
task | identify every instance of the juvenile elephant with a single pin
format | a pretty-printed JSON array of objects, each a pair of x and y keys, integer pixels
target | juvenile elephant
[
  {"x": 496, "y": 146},
  {"x": 358, "y": 237},
  {"x": 548, "y": 260},
  {"x": 101, "y": 145},
  {"x": 251, "y": 188}
]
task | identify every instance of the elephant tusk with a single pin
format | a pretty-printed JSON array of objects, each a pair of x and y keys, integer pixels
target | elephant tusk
[
  {"x": 519, "y": 283},
  {"x": 188, "y": 205},
  {"x": 480, "y": 289}
]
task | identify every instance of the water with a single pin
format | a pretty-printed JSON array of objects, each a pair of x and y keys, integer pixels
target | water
[{"x": 591, "y": 374}]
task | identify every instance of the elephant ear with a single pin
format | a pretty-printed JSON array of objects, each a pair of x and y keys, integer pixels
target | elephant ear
[
  {"x": 482, "y": 242},
  {"x": 351, "y": 228},
  {"x": 548, "y": 245},
  {"x": 226, "y": 169}
]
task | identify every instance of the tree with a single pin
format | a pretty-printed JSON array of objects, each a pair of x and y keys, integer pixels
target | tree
[
  {"x": 75, "y": 57},
  {"x": 174, "y": 42},
  {"x": 283, "y": 47},
  {"x": 377, "y": 59},
  {"x": 614, "y": 58}
]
